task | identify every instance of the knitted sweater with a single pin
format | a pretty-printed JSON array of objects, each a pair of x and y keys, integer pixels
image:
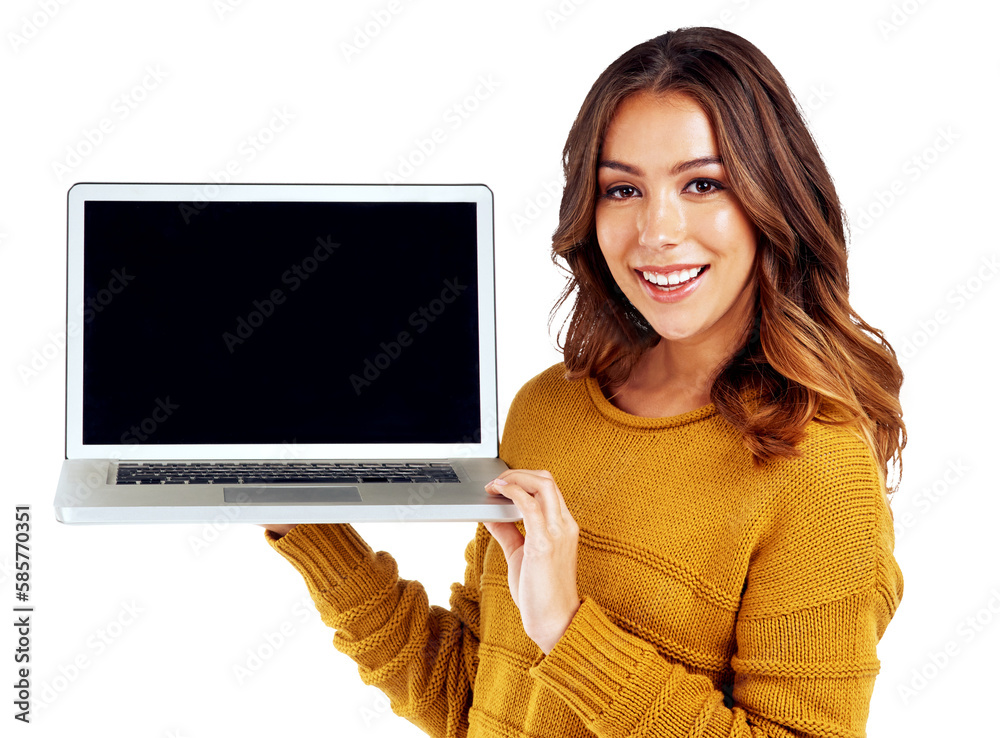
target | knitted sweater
[{"x": 719, "y": 599}]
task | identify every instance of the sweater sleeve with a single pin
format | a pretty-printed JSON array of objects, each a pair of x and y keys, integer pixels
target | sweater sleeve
[
  {"x": 821, "y": 589},
  {"x": 423, "y": 658}
]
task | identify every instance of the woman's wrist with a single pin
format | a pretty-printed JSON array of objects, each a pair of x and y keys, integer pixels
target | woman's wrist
[{"x": 278, "y": 529}]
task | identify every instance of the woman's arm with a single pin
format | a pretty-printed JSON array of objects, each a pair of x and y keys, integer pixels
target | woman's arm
[{"x": 424, "y": 658}]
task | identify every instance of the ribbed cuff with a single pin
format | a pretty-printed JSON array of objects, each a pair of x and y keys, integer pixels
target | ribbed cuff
[
  {"x": 596, "y": 664},
  {"x": 325, "y": 555}
]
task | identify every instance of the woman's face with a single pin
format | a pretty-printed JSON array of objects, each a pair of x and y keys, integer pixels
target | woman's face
[{"x": 665, "y": 208}]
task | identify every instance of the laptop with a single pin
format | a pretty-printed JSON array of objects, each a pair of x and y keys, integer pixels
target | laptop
[{"x": 280, "y": 353}]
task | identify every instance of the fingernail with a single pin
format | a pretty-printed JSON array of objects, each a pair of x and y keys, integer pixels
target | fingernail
[{"x": 499, "y": 482}]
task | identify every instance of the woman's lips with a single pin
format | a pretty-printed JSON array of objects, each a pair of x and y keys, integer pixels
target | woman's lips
[{"x": 678, "y": 293}]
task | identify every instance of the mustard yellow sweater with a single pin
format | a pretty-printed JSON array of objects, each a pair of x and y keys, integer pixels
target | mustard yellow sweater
[{"x": 718, "y": 599}]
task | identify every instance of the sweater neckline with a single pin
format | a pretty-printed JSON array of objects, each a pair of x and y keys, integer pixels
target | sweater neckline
[{"x": 616, "y": 415}]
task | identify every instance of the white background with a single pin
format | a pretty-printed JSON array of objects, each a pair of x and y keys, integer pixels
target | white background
[{"x": 883, "y": 83}]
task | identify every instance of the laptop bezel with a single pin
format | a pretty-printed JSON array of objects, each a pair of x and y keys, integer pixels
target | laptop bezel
[{"x": 83, "y": 192}]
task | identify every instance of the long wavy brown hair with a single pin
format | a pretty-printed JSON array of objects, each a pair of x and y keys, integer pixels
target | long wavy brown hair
[{"x": 808, "y": 355}]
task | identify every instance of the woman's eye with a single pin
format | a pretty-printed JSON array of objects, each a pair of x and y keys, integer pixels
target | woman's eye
[
  {"x": 704, "y": 186},
  {"x": 621, "y": 192}
]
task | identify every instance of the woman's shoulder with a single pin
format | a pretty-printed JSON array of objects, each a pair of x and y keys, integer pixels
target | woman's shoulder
[
  {"x": 548, "y": 385},
  {"x": 830, "y": 447},
  {"x": 834, "y": 475},
  {"x": 544, "y": 402}
]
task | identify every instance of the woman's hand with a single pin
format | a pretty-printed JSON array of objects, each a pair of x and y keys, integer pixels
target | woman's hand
[
  {"x": 279, "y": 528},
  {"x": 541, "y": 565}
]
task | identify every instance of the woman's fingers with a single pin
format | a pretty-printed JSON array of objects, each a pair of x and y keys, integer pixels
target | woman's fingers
[
  {"x": 539, "y": 500},
  {"x": 509, "y": 486},
  {"x": 507, "y": 535},
  {"x": 552, "y": 494}
]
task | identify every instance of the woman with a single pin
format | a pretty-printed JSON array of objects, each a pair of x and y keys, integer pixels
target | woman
[{"x": 707, "y": 543}]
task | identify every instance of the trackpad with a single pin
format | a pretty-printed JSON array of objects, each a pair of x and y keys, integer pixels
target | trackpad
[{"x": 248, "y": 494}]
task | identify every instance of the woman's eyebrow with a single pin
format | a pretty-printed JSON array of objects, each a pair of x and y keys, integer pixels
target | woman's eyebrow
[
  {"x": 701, "y": 161},
  {"x": 620, "y": 166}
]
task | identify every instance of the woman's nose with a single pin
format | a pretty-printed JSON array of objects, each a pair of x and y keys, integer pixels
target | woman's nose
[{"x": 661, "y": 222}]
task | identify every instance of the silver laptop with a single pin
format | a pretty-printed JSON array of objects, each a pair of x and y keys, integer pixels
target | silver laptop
[{"x": 283, "y": 353}]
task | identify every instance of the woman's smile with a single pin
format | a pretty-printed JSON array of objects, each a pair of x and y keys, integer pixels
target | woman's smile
[{"x": 673, "y": 285}]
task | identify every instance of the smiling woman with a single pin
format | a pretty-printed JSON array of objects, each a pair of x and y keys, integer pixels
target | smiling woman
[
  {"x": 660, "y": 114},
  {"x": 706, "y": 546}
]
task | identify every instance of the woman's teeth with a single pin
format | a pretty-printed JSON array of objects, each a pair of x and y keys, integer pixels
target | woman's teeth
[{"x": 674, "y": 278}]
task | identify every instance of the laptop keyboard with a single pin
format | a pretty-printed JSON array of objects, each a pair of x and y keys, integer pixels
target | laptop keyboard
[{"x": 312, "y": 472}]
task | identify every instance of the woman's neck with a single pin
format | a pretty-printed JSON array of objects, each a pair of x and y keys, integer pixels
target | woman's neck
[{"x": 663, "y": 384}]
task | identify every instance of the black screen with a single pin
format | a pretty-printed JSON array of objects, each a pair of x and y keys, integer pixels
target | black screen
[{"x": 280, "y": 322}]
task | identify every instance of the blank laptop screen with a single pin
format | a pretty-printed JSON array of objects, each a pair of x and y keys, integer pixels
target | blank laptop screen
[{"x": 280, "y": 322}]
